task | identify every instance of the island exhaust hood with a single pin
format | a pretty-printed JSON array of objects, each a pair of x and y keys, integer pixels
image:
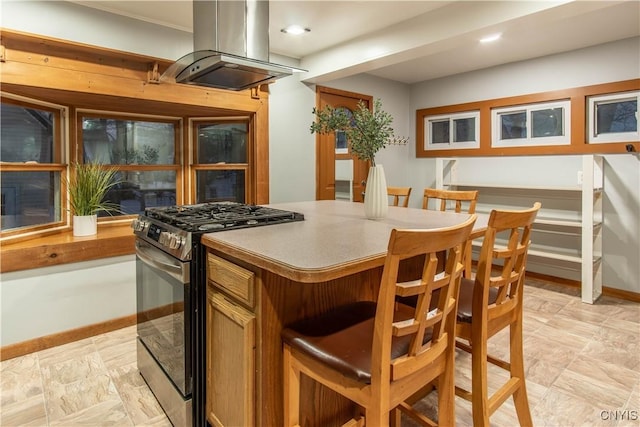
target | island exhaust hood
[{"x": 231, "y": 47}]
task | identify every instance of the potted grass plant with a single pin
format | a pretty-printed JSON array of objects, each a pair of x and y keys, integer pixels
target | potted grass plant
[
  {"x": 367, "y": 132},
  {"x": 87, "y": 187}
]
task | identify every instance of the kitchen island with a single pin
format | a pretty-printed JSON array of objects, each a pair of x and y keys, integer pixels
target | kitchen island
[{"x": 262, "y": 279}]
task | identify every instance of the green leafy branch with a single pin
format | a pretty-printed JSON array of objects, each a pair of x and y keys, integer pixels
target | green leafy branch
[{"x": 367, "y": 131}]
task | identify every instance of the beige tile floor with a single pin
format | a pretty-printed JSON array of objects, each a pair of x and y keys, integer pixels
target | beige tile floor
[{"x": 583, "y": 369}]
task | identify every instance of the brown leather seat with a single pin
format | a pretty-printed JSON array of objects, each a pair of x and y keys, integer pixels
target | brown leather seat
[
  {"x": 465, "y": 300},
  {"x": 378, "y": 355},
  {"x": 342, "y": 338}
]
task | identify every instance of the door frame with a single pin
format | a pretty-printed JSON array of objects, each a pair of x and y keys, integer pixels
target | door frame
[{"x": 325, "y": 146}]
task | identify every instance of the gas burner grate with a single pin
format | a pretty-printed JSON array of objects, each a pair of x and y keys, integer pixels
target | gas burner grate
[{"x": 215, "y": 216}]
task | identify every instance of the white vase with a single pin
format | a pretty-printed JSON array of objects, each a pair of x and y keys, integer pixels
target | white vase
[
  {"x": 85, "y": 225},
  {"x": 376, "y": 203}
]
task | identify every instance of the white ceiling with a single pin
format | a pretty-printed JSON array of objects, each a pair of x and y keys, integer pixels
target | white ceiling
[{"x": 412, "y": 41}]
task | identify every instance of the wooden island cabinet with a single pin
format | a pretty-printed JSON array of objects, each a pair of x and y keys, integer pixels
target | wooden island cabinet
[
  {"x": 262, "y": 279},
  {"x": 231, "y": 325}
]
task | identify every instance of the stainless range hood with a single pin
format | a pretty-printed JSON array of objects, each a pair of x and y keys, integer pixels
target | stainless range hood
[{"x": 231, "y": 46}]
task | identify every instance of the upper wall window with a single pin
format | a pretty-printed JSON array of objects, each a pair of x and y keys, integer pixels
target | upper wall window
[
  {"x": 566, "y": 121},
  {"x": 613, "y": 118},
  {"x": 31, "y": 174},
  {"x": 144, "y": 151},
  {"x": 531, "y": 125},
  {"x": 452, "y": 131}
]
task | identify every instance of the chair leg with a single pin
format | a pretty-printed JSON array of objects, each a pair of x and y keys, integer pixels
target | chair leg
[
  {"x": 446, "y": 392},
  {"x": 479, "y": 390},
  {"x": 517, "y": 370},
  {"x": 291, "y": 390},
  {"x": 377, "y": 415}
]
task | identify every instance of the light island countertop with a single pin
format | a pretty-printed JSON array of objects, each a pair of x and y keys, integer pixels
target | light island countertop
[{"x": 334, "y": 239}]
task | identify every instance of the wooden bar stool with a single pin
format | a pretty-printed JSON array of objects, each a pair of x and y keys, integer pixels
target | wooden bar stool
[
  {"x": 380, "y": 354},
  {"x": 492, "y": 302},
  {"x": 399, "y": 192}
]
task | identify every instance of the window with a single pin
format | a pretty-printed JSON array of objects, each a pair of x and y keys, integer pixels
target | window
[
  {"x": 613, "y": 118},
  {"x": 143, "y": 149},
  {"x": 342, "y": 145},
  {"x": 31, "y": 152},
  {"x": 452, "y": 131},
  {"x": 221, "y": 160},
  {"x": 532, "y": 125}
]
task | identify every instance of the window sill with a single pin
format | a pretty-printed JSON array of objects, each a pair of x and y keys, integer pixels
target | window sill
[{"x": 64, "y": 248}]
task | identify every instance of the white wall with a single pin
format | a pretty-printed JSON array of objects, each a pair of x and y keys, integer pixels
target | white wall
[
  {"x": 44, "y": 301},
  {"x": 610, "y": 62},
  {"x": 70, "y": 21},
  {"x": 291, "y": 146},
  {"x": 600, "y": 64}
]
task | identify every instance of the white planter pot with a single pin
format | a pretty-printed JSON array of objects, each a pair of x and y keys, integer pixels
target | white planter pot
[
  {"x": 376, "y": 203},
  {"x": 85, "y": 225}
]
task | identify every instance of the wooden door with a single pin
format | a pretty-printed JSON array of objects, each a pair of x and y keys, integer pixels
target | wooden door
[{"x": 326, "y": 146}]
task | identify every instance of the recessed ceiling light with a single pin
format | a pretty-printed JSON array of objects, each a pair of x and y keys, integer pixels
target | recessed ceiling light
[
  {"x": 296, "y": 30},
  {"x": 491, "y": 38}
]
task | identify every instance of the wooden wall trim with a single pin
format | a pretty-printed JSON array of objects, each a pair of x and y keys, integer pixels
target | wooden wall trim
[
  {"x": 42, "y": 343},
  {"x": 64, "y": 248},
  {"x": 261, "y": 157},
  {"x": 577, "y": 96},
  {"x": 606, "y": 290},
  {"x": 622, "y": 294},
  {"x": 38, "y": 61}
]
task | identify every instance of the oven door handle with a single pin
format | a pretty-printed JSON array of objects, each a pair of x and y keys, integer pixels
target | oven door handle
[{"x": 153, "y": 257}]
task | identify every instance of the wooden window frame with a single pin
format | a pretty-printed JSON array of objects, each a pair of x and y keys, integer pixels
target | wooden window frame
[
  {"x": 78, "y": 153},
  {"x": 195, "y": 167},
  {"x": 529, "y": 140},
  {"x": 578, "y": 98},
  {"x": 60, "y": 136},
  {"x": 451, "y": 117},
  {"x": 592, "y": 138}
]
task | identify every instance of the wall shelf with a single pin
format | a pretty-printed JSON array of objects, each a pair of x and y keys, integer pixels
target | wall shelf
[{"x": 568, "y": 228}]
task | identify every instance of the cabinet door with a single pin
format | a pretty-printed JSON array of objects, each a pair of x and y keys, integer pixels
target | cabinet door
[{"x": 230, "y": 362}]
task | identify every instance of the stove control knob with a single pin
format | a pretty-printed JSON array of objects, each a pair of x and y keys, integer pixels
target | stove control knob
[
  {"x": 138, "y": 225},
  {"x": 176, "y": 241},
  {"x": 164, "y": 238}
]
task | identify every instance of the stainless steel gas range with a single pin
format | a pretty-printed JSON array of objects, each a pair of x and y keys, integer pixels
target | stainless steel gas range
[{"x": 171, "y": 295}]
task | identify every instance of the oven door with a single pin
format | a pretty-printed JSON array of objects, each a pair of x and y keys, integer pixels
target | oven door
[{"x": 164, "y": 312}]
